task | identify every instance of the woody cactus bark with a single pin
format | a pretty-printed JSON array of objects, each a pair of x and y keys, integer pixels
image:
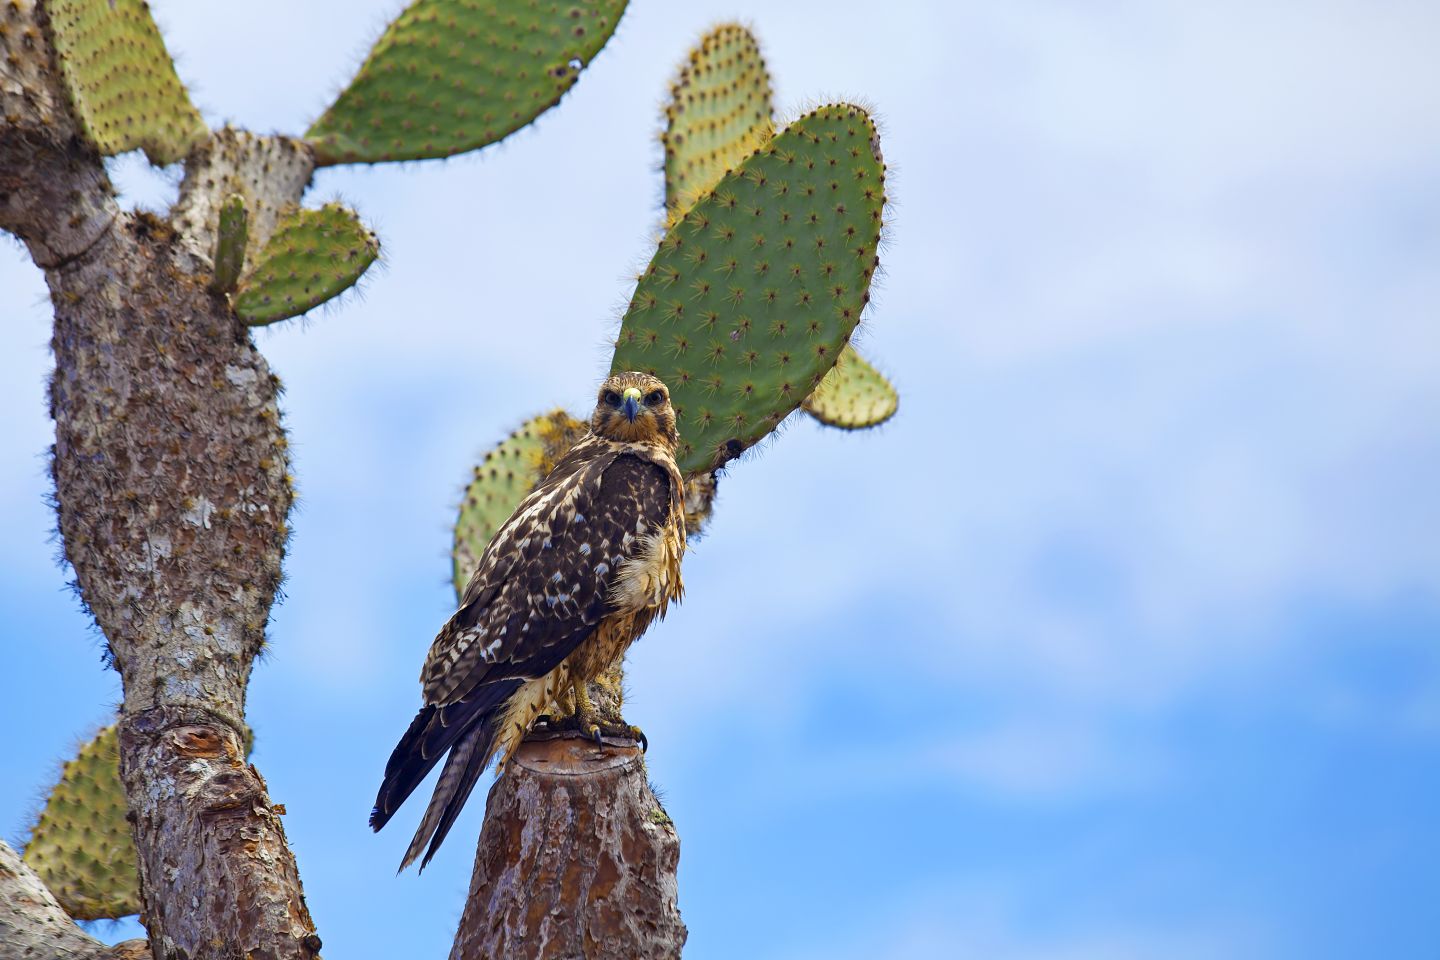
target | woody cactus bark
[
  {"x": 170, "y": 479},
  {"x": 576, "y": 859}
]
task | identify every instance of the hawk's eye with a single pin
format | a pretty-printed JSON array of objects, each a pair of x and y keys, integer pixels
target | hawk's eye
[
  {"x": 654, "y": 397},
  {"x": 612, "y": 398}
]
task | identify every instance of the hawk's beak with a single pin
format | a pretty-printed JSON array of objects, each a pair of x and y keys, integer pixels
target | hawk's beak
[{"x": 631, "y": 407}]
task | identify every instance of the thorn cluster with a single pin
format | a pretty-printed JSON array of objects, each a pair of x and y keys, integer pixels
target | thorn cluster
[
  {"x": 453, "y": 75},
  {"x": 757, "y": 288},
  {"x": 853, "y": 395},
  {"x": 719, "y": 113},
  {"x": 121, "y": 80},
  {"x": 313, "y": 255},
  {"x": 81, "y": 846}
]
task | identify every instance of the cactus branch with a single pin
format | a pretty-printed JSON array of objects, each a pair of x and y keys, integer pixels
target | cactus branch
[
  {"x": 449, "y": 76},
  {"x": 312, "y": 256},
  {"x": 33, "y": 924},
  {"x": 269, "y": 173},
  {"x": 853, "y": 395},
  {"x": 81, "y": 845},
  {"x": 718, "y": 114},
  {"x": 230, "y": 240},
  {"x": 121, "y": 81},
  {"x": 757, "y": 288},
  {"x": 173, "y": 497}
]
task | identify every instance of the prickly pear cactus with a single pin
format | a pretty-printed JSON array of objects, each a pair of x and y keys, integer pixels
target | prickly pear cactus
[
  {"x": 509, "y": 471},
  {"x": 719, "y": 113},
  {"x": 754, "y": 292},
  {"x": 313, "y": 255},
  {"x": 853, "y": 395},
  {"x": 453, "y": 75},
  {"x": 121, "y": 80},
  {"x": 230, "y": 239},
  {"x": 81, "y": 846}
]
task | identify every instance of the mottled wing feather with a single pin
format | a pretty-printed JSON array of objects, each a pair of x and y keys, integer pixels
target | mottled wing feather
[{"x": 540, "y": 588}]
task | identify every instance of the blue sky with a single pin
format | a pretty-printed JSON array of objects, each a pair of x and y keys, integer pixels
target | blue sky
[{"x": 1119, "y": 642}]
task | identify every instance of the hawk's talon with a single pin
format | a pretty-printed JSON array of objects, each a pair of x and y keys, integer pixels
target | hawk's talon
[{"x": 626, "y": 731}]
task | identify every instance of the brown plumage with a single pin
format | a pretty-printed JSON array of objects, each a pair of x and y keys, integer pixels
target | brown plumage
[{"x": 587, "y": 561}]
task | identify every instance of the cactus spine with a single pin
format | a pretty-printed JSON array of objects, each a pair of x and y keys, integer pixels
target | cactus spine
[
  {"x": 313, "y": 255},
  {"x": 121, "y": 80},
  {"x": 81, "y": 846},
  {"x": 719, "y": 113},
  {"x": 453, "y": 75},
  {"x": 754, "y": 292},
  {"x": 853, "y": 395},
  {"x": 230, "y": 239}
]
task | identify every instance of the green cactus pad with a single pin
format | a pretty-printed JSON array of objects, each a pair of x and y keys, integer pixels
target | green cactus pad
[
  {"x": 121, "y": 81},
  {"x": 755, "y": 291},
  {"x": 313, "y": 255},
  {"x": 81, "y": 847},
  {"x": 719, "y": 113},
  {"x": 853, "y": 395},
  {"x": 501, "y": 481},
  {"x": 230, "y": 239},
  {"x": 453, "y": 75}
]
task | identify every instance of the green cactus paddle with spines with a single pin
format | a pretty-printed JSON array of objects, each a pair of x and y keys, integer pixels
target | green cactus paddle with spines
[
  {"x": 230, "y": 239},
  {"x": 754, "y": 292},
  {"x": 853, "y": 395},
  {"x": 453, "y": 75},
  {"x": 121, "y": 80},
  {"x": 719, "y": 113},
  {"x": 81, "y": 845},
  {"x": 312, "y": 256}
]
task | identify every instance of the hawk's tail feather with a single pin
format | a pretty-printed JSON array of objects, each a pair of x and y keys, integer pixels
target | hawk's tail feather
[
  {"x": 435, "y": 730},
  {"x": 463, "y": 767}
]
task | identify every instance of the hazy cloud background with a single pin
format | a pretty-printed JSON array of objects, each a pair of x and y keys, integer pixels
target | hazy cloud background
[{"x": 1120, "y": 641}]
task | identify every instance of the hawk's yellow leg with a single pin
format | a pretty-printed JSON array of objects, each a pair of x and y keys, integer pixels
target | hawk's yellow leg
[
  {"x": 583, "y": 710},
  {"x": 578, "y": 711}
]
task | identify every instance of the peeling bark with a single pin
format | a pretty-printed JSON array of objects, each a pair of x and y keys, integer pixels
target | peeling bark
[
  {"x": 576, "y": 859},
  {"x": 34, "y": 927}
]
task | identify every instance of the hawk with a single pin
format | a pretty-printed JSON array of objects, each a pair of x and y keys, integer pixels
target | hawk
[{"x": 586, "y": 562}]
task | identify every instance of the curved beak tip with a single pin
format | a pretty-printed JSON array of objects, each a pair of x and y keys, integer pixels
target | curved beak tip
[{"x": 631, "y": 409}]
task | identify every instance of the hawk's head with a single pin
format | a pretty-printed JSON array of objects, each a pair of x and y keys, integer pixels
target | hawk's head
[{"x": 635, "y": 407}]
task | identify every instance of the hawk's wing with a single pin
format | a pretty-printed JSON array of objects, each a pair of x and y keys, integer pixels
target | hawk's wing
[
  {"x": 541, "y": 584},
  {"x": 538, "y": 592}
]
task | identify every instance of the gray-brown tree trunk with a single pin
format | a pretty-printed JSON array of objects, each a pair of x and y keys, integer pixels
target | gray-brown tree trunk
[{"x": 576, "y": 859}]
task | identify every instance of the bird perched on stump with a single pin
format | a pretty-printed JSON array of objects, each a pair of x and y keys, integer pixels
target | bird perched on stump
[{"x": 586, "y": 562}]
